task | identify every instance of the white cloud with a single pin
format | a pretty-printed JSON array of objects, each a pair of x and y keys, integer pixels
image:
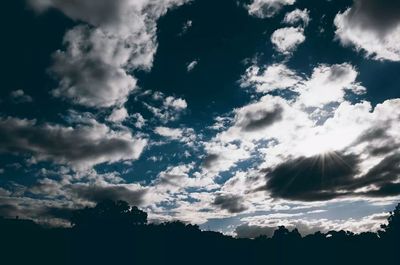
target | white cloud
[
  {"x": 372, "y": 27},
  {"x": 184, "y": 135},
  {"x": 191, "y": 65},
  {"x": 287, "y": 39},
  {"x": 284, "y": 126},
  {"x": 174, "y": 134},
  {"x": 266, "y": 225},
  {"x": 91, "y": 70},
  {"x": 329, "y": 84},
  {"x": 94, "y": 68},
  {"x": 275, "y": 129},
  {"x": 170, "y": 110},
  {"x": 186, "y": 26},
  {"x": 297, "y": 16},
  {"x": 118, "y": 115},
  {"x": 140, "y": 121},
  {"x": 175, "y": 103},
  {"x": 267, "y": 8},
  {"x": 276, "y": 76},
  {"x": 222, "y": 157}
]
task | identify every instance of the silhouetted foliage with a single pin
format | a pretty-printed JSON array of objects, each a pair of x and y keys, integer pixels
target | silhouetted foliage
[
  {"x": 109, "y": 213},
  {"x": 115, "y": 233},
  {"x": 392, "y": 229}
]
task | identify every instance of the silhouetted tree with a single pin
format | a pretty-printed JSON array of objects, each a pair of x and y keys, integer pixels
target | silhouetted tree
[
  {"x": 115, "y": 233},
  {"x": 282, "y": 233},
  {"x": 109, "y": 213},
  {"x": 392, "y": 228}
]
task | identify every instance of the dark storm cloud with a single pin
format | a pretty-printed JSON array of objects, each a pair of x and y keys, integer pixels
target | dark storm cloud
[
  {"x": 322, "y": 178},
  {"x": 313, "y": 178},
  {"x": 260, "y": 119},
  {"x": 387, "y": 170},
  {"x": 371, "y": 134},
  {"x": 83, "y": 146},
  {"x": 378, "y": 141},
  {"x": 384, "y": 149},
  {"x": 209, "y": 160},
  {"x": 99, "y": 193},
  {"x": 378, "y": 15},
  {"x": 231, "y": 203},
  {"x": 389, "y": 189}
]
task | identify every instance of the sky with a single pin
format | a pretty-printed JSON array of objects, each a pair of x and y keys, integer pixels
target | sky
[{"x": 238, "y": 116}]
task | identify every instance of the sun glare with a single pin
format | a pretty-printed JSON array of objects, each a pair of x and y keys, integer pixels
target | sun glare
[{"x": 325, "y": 143}]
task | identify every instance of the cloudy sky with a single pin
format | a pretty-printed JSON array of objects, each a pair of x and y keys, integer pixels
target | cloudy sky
[{"x": 238, "y": 116}]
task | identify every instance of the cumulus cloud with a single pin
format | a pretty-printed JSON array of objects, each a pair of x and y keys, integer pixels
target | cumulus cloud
[
  {"x": 19, "y": 96},
  {"x": 371, "y": 26},
  {"x": 358, "y": 170},
  {"x": 191, "y": 65},
  {"x": 175, "y": 103},
  {"x": 267, "y": 8},
  {"x": 222, "y": 157},
  {"x": 305, "y": 142},
  {"x": 298, "y": 16},
  {"x": 80, "y": 147},
  {"x": 91, "y": 69},
  {"x": 255, "y": 120},
  {"x": 169, "y": 108},
  {"x": 266, "y": 225},
  {"x": 287, "y": 39},
  {"x": 172, "y": 133},
  {"x": 327, "y": 84},
  {"x": 176, "y": 179},
  {"x": 94, "y": 68},
  {"x": 276, "y": 76},
  {"x": 118, "y": 115},
  {"x": 184, "y": 135},
  {"x": 140, "y": 121}
]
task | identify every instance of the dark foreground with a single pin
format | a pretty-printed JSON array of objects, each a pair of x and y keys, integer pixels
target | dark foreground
[{"x": 114, "y": 233}]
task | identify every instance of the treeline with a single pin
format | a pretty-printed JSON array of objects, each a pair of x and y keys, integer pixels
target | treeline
[{"x": 115, "y": 233}]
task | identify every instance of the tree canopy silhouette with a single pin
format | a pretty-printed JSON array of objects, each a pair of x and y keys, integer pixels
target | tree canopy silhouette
[
  {"x": 113, "y": 232},
  {"x": 109, "y": 213},
  {"x": 392, "y": 228}
]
